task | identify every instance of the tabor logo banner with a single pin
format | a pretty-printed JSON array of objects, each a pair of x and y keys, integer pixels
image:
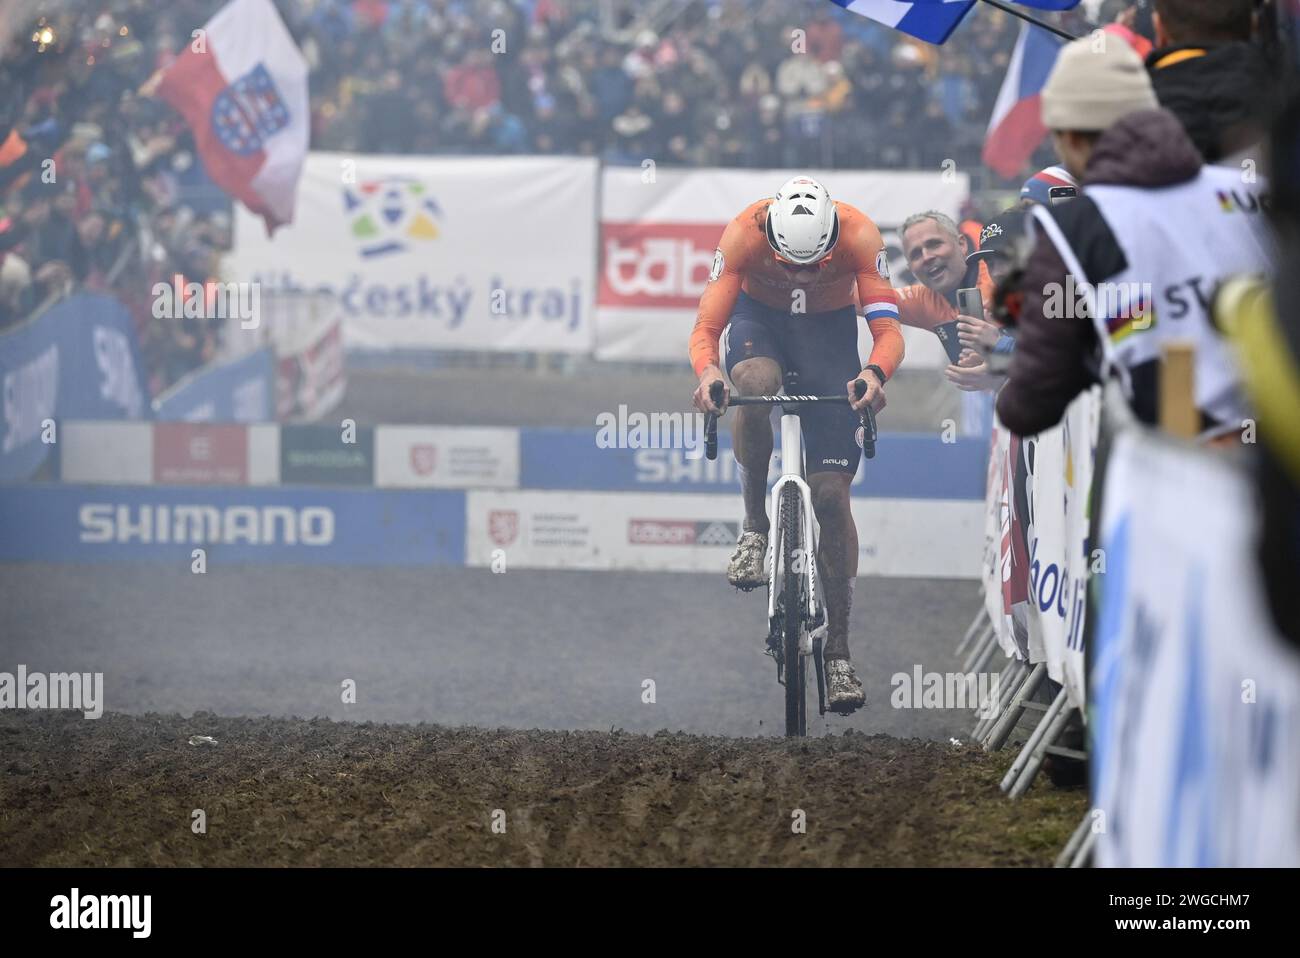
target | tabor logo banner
[
  {"x": 445, "y": 253},
  {"x": 658, "y": 245}
]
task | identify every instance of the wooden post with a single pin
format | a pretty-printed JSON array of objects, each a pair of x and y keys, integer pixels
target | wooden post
[{"x": 1178, "y": 414}]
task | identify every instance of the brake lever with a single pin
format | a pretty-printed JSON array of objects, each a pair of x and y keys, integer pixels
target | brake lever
[
  {"x": 716, "y": 394},
  {"x": 867, "y": 419}
]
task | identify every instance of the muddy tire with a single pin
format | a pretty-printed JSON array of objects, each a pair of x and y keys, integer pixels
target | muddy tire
[{"x": 796, "y": 665}]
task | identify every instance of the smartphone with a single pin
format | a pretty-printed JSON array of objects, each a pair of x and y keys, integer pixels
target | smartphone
[
  {"x": 1059, "y": 194},
  {"x": 1143, "y": 25},
  {"x": 947, "y": 333},
  {"x": 970, "y": 302}
]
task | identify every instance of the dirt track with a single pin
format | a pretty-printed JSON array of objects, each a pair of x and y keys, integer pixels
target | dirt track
[{"x": 121, "y": 791}]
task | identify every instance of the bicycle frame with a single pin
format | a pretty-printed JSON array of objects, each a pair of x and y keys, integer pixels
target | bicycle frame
[
  {"x": 792, "y": 474},
  {"x": 812, "y": 621}
]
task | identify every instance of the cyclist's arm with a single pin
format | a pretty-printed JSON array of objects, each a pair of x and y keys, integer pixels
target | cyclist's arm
[
  {"x": 719, "y": 298},
  {"x": 879, "y": 303}
]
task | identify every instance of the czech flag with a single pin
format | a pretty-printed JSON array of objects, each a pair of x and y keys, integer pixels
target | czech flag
[
  {"x": 1016, "y": 129},
  {"x": 241, "y": 85}
]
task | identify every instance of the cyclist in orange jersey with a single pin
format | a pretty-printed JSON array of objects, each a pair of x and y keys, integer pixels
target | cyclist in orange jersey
[{"x": 790, "y": 278}]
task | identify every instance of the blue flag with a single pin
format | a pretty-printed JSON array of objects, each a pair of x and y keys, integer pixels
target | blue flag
[
  {"x": 929, "y": 20},
  {"x": 1049, "y": 4},
  {"x": 1037, "y": 4}
]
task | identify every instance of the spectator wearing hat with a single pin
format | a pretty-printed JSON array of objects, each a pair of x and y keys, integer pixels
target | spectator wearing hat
[
  {"x": 1131, "y": 263},
  {"x": 1001, "y": 249}
]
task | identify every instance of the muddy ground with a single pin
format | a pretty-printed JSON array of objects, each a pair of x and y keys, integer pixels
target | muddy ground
[{"x": 122, "y": 790}]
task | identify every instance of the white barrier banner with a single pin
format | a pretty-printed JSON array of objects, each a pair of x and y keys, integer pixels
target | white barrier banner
[
  {"x": 474, "y": 253},
  {"x": 696, "y": 533},
  {"x": 1044, "y": 495},
  {"x": 1082, "y": 427},
  {"x": 1045, "y": 542},
  {"x": 1195, "y": 697},
  {"x": 994, "y": 534},
  {"x": 1058, "y": 542},
  {"x": 659, "y": 229}
]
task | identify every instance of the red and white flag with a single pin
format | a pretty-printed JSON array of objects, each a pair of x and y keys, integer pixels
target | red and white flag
[{"x": 241, "y": 85}]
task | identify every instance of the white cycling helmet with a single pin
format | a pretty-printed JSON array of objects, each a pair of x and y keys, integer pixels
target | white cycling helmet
[{"x": 802, "y": 224}]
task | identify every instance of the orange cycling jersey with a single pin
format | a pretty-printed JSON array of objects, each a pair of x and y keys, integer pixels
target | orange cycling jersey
[{"x": 853, "y": 273}]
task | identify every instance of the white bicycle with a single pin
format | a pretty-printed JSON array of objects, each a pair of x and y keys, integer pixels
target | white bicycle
[{"x": 796, "y": 612}]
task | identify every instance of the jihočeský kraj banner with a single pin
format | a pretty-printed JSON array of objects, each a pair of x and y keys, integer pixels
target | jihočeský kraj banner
[{"x": 446, "y": 253}]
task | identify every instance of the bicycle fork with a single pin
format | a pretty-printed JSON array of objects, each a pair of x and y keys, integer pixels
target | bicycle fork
[{"x": 812, "y": 612}]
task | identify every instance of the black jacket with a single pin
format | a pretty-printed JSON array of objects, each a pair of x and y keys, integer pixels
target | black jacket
[{"x": 1220, "y": 96}]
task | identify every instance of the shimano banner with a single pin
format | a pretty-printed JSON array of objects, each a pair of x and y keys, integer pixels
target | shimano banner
[
  {"x": 101, "y": 523},
  {"x": 78, "y": 359}
]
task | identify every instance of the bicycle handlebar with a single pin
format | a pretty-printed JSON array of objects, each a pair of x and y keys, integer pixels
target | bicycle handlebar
[{"x": 867, "y": 415}]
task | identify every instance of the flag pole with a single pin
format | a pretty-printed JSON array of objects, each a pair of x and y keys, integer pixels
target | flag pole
[{"x": 1015, "y": 12}]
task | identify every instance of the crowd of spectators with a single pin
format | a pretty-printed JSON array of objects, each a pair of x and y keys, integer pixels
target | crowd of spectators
[
  {"x": 100, "y": 187},
  {"x": 754, "y": 83}
]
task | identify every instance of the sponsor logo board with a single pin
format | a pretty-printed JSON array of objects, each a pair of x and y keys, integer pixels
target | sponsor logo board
[
  {"x": 446, "y": 457},
  {"x": 198, "y": 453}
]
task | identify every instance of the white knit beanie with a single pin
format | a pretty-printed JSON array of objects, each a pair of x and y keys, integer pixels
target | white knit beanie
[{"x": 1096, "y": 81}]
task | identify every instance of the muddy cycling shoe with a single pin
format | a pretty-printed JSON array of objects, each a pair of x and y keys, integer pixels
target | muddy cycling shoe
[
  {"x": 745, "y": 570},
  {"x": 843, "y": 690}
]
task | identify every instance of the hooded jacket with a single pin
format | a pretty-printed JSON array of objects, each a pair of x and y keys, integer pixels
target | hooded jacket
[
  {"x": 1057, "y": 358},
  {"x": 1216, "y": 92}
]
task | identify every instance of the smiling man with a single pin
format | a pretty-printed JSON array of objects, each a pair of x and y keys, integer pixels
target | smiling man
[{"x": 936, "y": 254}]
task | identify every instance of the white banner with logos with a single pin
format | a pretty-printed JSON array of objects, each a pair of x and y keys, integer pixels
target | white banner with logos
[
  {"x": 996, "y": 529},
  {"x": 1082, "y": 430},
  {"x": 696, "y": 533},
  {"x": 658, "y": 233},
  {"x": 1195, "y": 697},
  {"x": 446, "y": 457},
  {"x": 1037, "y": 553},
  {"x": 476, "y": 253},
  {"x": 1057, "y": 541}
]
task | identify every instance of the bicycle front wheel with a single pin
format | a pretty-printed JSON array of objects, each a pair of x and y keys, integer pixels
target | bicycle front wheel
[{"x": 793, "y": 560}]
